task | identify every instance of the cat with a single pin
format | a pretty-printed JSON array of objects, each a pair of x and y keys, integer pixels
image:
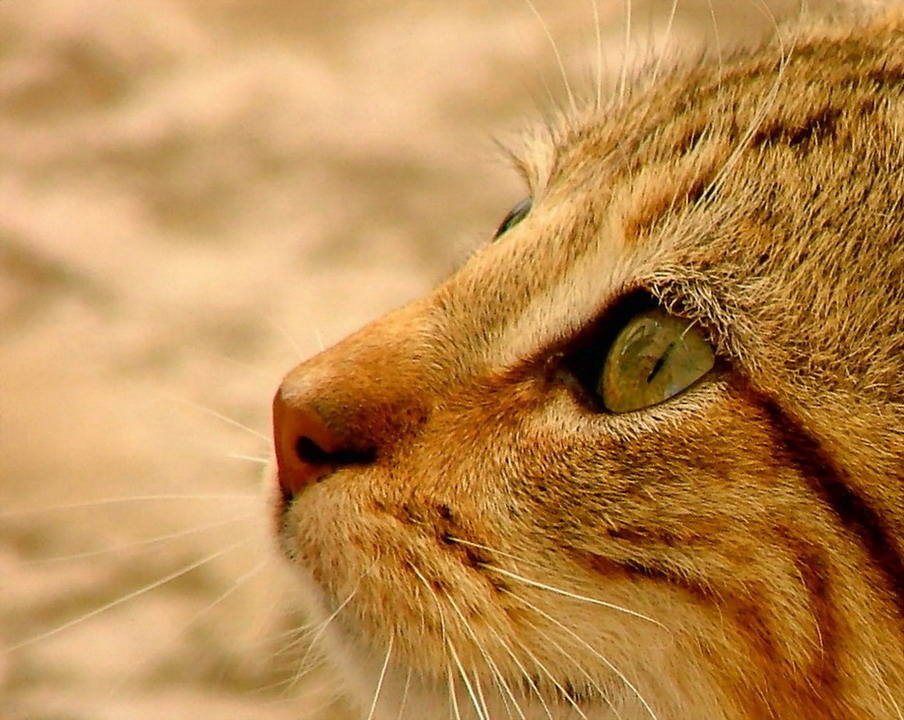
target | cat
[{"x": 641, "y": 456}]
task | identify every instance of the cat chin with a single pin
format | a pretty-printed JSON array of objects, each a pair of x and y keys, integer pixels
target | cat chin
[
  {"x": 404, "y": 692},
  {"x": 365, "y": 671},
  {"x": 397, "y": 692}
]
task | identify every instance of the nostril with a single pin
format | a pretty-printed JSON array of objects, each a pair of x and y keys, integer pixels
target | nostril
[
  {"x": 303, "y": 441},
  {"x": 308, "y": 451}
]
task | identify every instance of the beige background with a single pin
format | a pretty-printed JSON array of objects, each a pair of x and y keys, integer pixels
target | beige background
[{"x": 193, "y": 197}]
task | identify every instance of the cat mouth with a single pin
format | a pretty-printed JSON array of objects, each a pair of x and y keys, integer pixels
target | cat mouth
[{"x": 426, "y": 610}]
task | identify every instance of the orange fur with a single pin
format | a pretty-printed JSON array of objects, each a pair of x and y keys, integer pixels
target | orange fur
[{"x": 734, "y": 552}]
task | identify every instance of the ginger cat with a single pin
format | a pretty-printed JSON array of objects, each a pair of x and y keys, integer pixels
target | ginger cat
[{"x": 642, "y": 456}]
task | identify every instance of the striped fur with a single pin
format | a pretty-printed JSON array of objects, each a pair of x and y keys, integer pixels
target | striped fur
[{"x": 490, "y": 546}]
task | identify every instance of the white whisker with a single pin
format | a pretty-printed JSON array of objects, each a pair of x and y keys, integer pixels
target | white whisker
[
  {"x": 220, "y": 416},
  {"x": 104, "y": 502},
  {"x": 718, "y": 40},
  {"x": 125, "y": 598},
  {"x": 668, "y": 35},
  {"x": 249, "y": 458},
  {"x": 373, "y": 707},
  {"x": 479, "y": 687},
  {"x": 316, "y": 632},
  {"x": 525, "y": 674},
  {"x": 453, "y": 700},
  {"x": 404, "y": 699},
  {"x": 573, "y": 596},
  {"x": 623, "y": 77},
  {"x": 318, "y": 336},
  {"x": 496, "y": 551},
  {"x": 595, "y": 652},
  {"x": 287, "y": 336},
  {"x": 558, "y": 56},
  {"x": 143, "y": 544},
  {"x": 195, "y": 618},
  {"x": 592, "y": 683},
  {"x": 599, "y": 55},
  {"x": 313, "y": 633},
  {"x": 477, "y": 644},
  {"x": 546, "y": 671},
  {"x": 464, "y": 677},
  {"x": 500, "y": 679},
  {"x": 785, "y": 58}
]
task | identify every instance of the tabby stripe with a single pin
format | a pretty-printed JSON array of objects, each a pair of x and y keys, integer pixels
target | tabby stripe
[
  {"x": 831, "y": 485},
  {"x": 814, "y": 573}
]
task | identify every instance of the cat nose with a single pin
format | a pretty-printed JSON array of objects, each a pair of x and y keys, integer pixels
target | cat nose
[{"x": 307, "y": 450}]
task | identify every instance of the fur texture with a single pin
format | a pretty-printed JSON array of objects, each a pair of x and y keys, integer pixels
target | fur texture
[{"x": 487, "y": 545}]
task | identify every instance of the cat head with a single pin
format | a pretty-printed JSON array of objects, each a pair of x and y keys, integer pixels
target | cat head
[{"x": 641, "y": 454}]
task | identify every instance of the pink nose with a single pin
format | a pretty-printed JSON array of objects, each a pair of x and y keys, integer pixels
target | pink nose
[{"x": 306, "y": 449}]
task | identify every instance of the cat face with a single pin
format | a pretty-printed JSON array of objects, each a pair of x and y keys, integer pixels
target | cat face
[{"x": 634, "y": 459}]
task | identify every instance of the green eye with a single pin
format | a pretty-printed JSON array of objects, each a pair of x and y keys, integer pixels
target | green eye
[
  {"x": 516, "y": 215},
  {"x": 654, "y": 357}
]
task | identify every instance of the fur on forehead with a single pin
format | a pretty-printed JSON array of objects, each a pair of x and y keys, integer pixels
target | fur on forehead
[
  {"x": 579, "y": 149},
  {"x": 665, "y": 85}
]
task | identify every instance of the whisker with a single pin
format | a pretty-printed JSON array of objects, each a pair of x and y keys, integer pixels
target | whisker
[
  {"x": 593, "y": 650},
  {"x": 315, "y": 636},
  {"x": 465, "y": 680},
  {"x": 312, "y": 660},
  {"x": 785, "y": 58},
  {"x": 668, "y": 34},
  {"x": 288, "y": 337},
  {"x": 142, "y": 543},
  {"x": 479, "y": 687},
  {"x": 558, "y": 56},
  {"x": 318, "y": 336},
  {"x": 599, "y": 55},
  {"x": 573, "y": 596},
  {"x": 591, "y": 681},
  {"x": 287, "y": 684},
  {"x": 525, "y": 674},
  {"x": 125, "y": 598},
  {"x": 236, "y": 584},
  {"x": 623, "y": 77},
  {"x": 492, "y": 665},
  {"x": 564, "y": 693},
  {"x": 249, "y": 458},
  {"x": 453, "y": 700},
  {"x": 220, "y": 416},
  {"x": 495, "y": 551},
  {"x": 329, "y": 697},
  {"x": 718, "y": 40},
  {"x": 313, "y": 633},
  {"x": 295, "y": 636},
  {"x": 404, "y": 698},
  {"x": 373, "y": 707},
  {"x": 249, "y": 368},
  {"x": 105, "y": 502}
]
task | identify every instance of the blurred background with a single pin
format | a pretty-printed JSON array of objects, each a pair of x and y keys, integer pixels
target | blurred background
[{"x": 194, "y": 197}]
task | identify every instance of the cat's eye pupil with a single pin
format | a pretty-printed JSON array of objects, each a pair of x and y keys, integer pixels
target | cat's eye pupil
[
  {"x": 652, "y": 358},
  {"x": 659, "y": 363},
  {"x": 516, "y": 215}
]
